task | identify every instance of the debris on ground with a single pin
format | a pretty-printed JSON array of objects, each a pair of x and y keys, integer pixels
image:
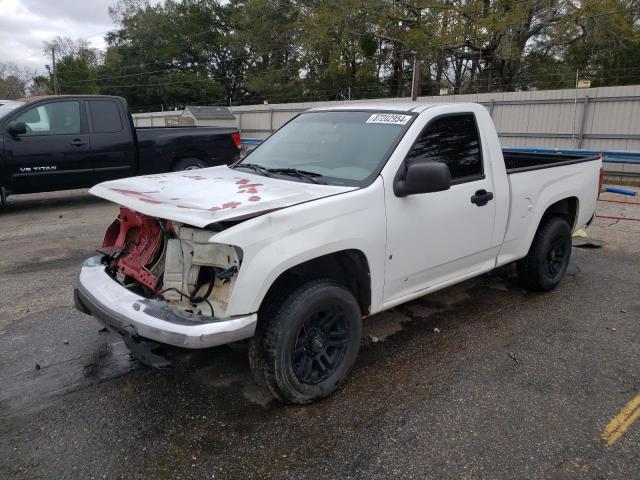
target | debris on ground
[
  {"x": 436, "y": 330},
  {"x": 373, "y": 339},
  {"x": 147, "y": 352},
  {"x": 588, "y": 243},
  {"x": 582, "y": 240}
]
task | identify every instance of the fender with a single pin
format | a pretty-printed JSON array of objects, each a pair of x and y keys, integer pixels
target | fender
[{"x": 274, "y": 243}]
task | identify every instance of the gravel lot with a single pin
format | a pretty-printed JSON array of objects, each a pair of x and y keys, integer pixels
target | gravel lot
[{"x": 481, "y": 380}]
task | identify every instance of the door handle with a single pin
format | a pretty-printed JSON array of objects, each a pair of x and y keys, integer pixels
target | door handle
[
  {"x": 77, "y": 142},
  {"x": 481, "y": 197}
]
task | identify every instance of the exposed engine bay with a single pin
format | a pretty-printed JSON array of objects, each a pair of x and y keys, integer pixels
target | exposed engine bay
[{"x": 169, "y": 261}]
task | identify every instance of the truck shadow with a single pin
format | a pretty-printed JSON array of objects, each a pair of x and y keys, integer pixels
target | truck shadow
[
  {"x": 224, "y": 373},
  {"x": 221, "y": 376}
]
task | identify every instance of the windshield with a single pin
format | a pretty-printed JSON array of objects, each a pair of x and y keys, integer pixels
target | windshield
[
  {"x": 7, "y": 107},
  {"x": 334, "y": 147}
]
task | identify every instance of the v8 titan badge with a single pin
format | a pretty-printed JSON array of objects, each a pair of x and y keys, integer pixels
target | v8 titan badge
[{"x": 389, "y": 118}]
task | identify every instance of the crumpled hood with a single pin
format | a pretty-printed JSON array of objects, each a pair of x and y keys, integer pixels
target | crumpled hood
[{"x": 209, "y": 195}]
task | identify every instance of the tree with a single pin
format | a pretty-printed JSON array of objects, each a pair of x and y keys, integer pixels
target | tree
[
  {"x": 339, "y": 50},
  {"x": 166, "y": 55},
  {"x": 265, "y": 40},
  {"x": 14, "y": 81},
  {"x": 76, "y": 66},
  {"x": 171, "y": 54}
]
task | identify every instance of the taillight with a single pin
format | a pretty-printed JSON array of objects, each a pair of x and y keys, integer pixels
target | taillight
[{"x": 235, "y": 136}]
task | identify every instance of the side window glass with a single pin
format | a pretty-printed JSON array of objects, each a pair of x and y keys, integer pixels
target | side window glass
[
  {"x": 105, "y": 116},
  {"x": 37, "y": 121},
  {"x": 58, "y": 118},
  {"x": 452, "y": 140}
]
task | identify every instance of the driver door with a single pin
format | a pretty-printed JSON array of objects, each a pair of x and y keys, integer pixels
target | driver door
[
  {"x": 438, "y": 237},
  {"x": 53, "y": 153}
]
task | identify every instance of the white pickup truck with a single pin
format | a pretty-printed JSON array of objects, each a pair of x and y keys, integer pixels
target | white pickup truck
[{"x": 342, "y": 213}]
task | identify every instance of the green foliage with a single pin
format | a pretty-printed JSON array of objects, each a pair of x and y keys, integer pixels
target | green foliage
[
  {"x": 13, "y": 81},
  {"x": 250, "y": 51}
]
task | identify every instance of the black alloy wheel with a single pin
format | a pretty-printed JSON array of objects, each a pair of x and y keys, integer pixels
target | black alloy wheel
[
  {"x": 556, "y": 257},
  {"x": 306, "y": 341},
  {"x": 320, "y": 346},
  {"x": 546, "y": 263}
]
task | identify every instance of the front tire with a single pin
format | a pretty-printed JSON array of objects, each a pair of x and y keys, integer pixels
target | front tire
[
  {"x": 307, "y": 345},
  {"x": 546, "y": 263}
]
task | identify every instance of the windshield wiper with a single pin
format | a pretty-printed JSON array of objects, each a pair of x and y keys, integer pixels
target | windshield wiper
[
  {"x": 294, "y": 172},
  {"x": 256, "y": 168}
]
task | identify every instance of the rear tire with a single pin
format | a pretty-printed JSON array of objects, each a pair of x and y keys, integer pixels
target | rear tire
[
  {"x": 189, "y": 164},
  {"x": 546, "y": 263},
  {"x": 307, "y": 345}
]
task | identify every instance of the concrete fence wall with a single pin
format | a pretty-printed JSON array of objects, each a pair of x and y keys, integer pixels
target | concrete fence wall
[
  {"x": 604, "y": 118},
  {"x": 593, "y": 118}
]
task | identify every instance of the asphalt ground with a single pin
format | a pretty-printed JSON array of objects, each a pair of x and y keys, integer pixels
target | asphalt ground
[{"x": 481, "y": 380}]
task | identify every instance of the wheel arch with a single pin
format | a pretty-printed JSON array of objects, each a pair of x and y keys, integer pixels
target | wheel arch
[
  {"x": 179, "y": 158},
  {"x": 350, "y": 268},
  {"x": 567, "y": 208},
  {"x": 520, "y": 237}
]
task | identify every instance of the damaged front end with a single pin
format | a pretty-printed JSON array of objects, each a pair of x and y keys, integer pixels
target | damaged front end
[{"x": 163, "y": 260}]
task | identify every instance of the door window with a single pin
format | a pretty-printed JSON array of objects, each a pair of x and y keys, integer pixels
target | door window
[
  {"x": 58, "y": 118},
  {"x": 105, "y": 116},
  {"x": 452, "y": 140}
]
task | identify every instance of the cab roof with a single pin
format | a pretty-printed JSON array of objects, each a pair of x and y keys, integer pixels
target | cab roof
[
  {"x": 35, "y": 98},
  {"x": 382, "y": 106}
]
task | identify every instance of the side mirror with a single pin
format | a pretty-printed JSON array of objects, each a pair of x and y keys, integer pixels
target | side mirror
[
  {"x": 422, "y": 177},
  {"x": 17, "y": 128}
]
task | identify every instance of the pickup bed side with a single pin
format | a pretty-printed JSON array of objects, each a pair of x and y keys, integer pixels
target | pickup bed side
[
  {"x": 161, "y": 148},
  {"x": 568, "y": 189}
]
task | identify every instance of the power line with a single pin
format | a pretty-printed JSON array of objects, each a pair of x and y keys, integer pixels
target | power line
[
  {"x": 316, "y": 24},
  {"x": 297, "y": 68},
  {"x": 327, "y": 94},
  {"x": 294, "y": 67}
]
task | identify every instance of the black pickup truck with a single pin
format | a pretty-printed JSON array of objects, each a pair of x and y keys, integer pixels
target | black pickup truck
[{"x": 63, "y": 142}]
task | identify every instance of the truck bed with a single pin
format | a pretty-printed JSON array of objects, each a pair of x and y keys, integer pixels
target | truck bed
[
  {"x": 517, "y": 162},
  {"x": 534, "y": 186},
  {"x": 158, "y": 147}
]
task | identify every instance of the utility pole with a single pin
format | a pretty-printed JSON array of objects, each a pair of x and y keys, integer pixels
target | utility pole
[
  {"x": 415, "y": 81},
  {"x": 56, "y": 85},
  {"x": 575, "y": 109}
]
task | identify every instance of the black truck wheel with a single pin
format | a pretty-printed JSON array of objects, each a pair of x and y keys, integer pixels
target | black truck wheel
[
  {"x": 549, "y": 255},
  {"x": 307, "y": 345},
  {"x": 189, "y": 164}
]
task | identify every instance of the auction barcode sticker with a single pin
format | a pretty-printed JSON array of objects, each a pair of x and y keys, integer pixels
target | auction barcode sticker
[{"x": 390, "y": 118}]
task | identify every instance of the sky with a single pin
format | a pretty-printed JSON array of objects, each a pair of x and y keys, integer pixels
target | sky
[{"x": 25, "y": 24}]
